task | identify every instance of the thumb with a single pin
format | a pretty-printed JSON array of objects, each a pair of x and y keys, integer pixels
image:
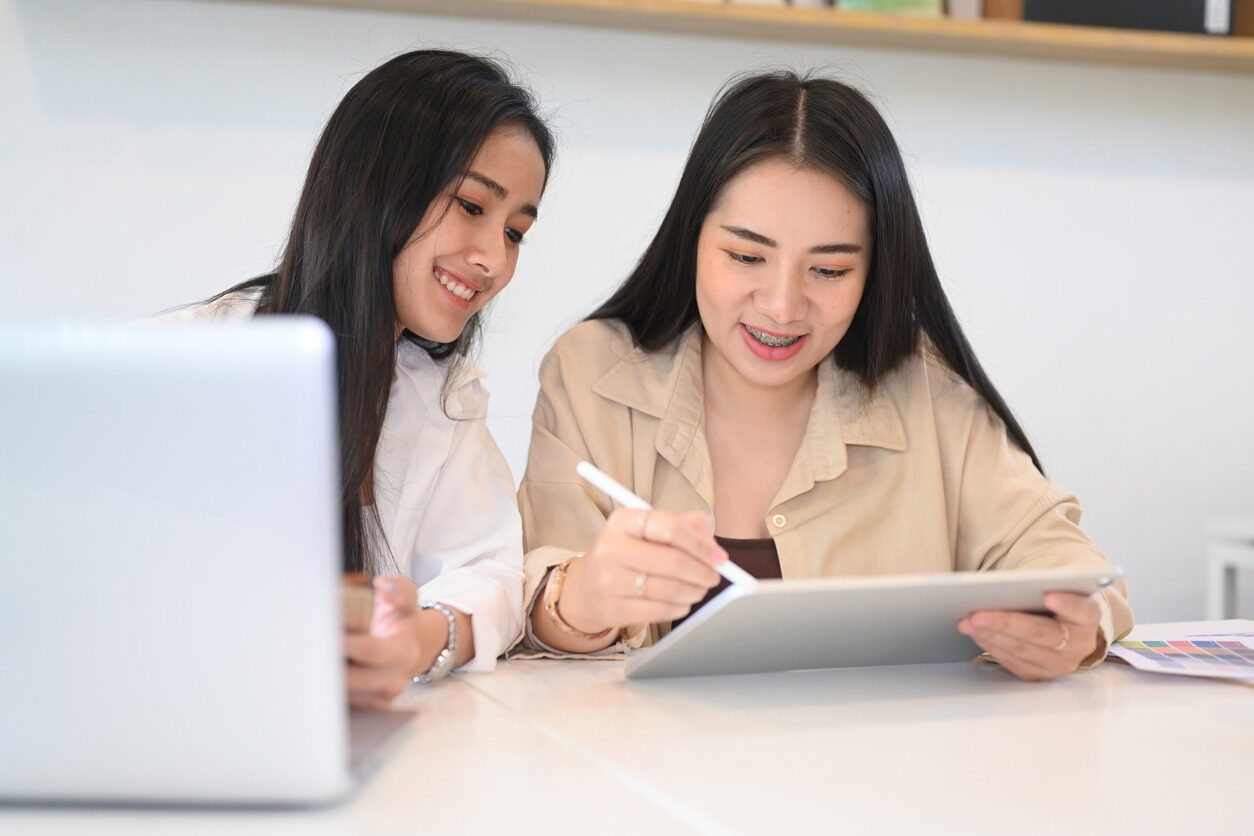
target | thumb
[{"x": 397, "y": 592}]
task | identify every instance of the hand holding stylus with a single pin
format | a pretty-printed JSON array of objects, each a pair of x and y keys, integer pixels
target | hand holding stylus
[{"x": 646, "y": 566}]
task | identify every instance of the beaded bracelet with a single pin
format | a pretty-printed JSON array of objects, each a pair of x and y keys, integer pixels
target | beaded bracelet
[{"x": 448, "y": 656}]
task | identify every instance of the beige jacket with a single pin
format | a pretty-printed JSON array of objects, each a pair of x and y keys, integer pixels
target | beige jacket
[{"x": 920, "y": 477}]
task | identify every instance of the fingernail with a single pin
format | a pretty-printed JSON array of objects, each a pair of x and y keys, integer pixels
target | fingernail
[{"x": 709, "y": 523}]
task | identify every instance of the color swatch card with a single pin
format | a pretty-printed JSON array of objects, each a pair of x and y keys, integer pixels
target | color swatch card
[{"x": 1230, "y": 656}]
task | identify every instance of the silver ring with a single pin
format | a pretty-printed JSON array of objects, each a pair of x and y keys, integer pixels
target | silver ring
[
  {"x": 1066, "y": 636},
  {"x": 641, "y": 580},
  {"x": 644, "y": 523}
]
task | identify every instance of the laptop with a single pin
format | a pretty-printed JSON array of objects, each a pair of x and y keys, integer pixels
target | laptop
[
  {"x": 788, "y": 625},
  {"x": 170, "y": 558}
]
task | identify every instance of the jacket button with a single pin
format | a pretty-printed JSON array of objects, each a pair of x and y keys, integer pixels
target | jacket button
[{"x": 779, "y": 520}]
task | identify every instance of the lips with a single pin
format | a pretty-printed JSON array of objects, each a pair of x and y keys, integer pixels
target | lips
[
  {"x": 772, "y": 347},
  {"x": 458, "y": 291}
]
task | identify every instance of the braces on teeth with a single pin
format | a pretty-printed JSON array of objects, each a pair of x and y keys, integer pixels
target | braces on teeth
[{"x": 767, "y": 339}]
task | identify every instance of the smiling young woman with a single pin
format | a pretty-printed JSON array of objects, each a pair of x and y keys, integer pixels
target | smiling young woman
[
  {"x": 421, "y": 188},
  {"x": 783, "y": 366}
]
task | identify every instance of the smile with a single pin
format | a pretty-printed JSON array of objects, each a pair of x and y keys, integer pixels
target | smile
[
  {"x": 459, "y": 289},
  {"x": 770, "y": 340}
]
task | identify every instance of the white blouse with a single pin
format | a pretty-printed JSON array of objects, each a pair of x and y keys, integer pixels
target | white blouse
[{"x": 443, "y": 491}]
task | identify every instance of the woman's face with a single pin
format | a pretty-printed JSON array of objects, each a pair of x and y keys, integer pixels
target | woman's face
[
  {"x": 781, "y": 263},
  {"x": 466, "y": 246}
]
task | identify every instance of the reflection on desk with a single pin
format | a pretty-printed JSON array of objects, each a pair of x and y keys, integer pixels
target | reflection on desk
[{"x": 573, "y": 747}]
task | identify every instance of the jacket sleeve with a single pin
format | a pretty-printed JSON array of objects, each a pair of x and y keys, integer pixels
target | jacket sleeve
[
  {"x": 472, "y": 525},
  {"x": 1009, "y": 515}
]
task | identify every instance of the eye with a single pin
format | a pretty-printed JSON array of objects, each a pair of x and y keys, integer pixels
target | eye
[
  {"x": 830, "y": 272},
  {"x": 515, "y": 235},
  {"x": 742, "y": 258},
  {"x": 470, "y": 208}
]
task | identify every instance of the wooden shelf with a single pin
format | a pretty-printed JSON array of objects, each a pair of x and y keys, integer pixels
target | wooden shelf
[{"x": 1012, "y": 38}]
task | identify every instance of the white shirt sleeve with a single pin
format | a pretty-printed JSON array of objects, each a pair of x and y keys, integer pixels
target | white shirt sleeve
[
  {"x": 446, "y": 501},
  {"x": 472, "y": 526}
]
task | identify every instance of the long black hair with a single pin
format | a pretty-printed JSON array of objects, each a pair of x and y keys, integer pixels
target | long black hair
[
  {"x": 400, "y": 136},
  {"x": 823, "y": 125}
]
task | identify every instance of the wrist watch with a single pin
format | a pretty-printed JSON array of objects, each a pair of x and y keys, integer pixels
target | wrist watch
[{"x": 448, "y": 656}]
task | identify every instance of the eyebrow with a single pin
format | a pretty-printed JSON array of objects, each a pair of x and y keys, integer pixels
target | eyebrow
[
  {"x": 758, "y": 238},
  {"x": 500, "y": 191}
]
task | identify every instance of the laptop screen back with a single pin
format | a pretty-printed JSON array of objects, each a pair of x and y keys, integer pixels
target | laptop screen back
[{"x": 169, "y": 543}]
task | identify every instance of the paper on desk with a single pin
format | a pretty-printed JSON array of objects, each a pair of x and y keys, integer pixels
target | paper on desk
[{"x": 1225, "y": 655}]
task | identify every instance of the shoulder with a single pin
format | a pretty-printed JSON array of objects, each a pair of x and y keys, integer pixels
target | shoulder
[
  {"x": 606, "y": 339},
  {"x": 932, "y": 397},
  {"x": 921, "y": 391},
  {"x": 923, "y": 377},
  {"x": 589, "y": 350},
  {"x": 238, "y": 304},
  {"x": 948, "y": 391}
]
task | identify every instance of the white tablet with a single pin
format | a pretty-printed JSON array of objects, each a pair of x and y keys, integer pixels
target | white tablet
[{"x": 778, "y": 625}]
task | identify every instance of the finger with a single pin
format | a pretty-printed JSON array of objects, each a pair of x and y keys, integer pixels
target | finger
[
  {"x": 1024, "y": 659},
  {"x": 639, "y": 611},
  {"x": 1040, "y": 630},
  {"x": 396, "y": 591},
  {"x": 388, "y": 682},
  {"x": 373, "y": 651},
  {"x": 366, "y": 699},
  {"x": 625, "y": 583},
  {"x": 667, "y": 529},
  {"x": 1025, "y": 668},
  {"x": 703, "y": 525},
  {"x": 1083, "y": 610},
  {"x": 668, "y": 562}
]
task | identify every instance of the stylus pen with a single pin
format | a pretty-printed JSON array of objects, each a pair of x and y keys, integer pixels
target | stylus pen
[{"x": 627, "y": 499}]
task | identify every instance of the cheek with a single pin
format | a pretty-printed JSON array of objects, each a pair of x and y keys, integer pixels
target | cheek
[
  {"x": 839, "y": 308},
  {"x": 508, "y": 275},
  {"x": 713, "y": 284},
  {"x": 408, "y": 264}
]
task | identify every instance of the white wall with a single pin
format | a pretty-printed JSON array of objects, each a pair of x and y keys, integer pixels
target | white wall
[{"x": 1091, "y": 223}]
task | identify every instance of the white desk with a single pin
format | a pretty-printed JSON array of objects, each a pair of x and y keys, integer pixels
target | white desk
[{"x": 959, "y": 748}]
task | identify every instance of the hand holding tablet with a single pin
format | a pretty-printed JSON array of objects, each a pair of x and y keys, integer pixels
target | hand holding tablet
[{"x": 1034, "y": 646}]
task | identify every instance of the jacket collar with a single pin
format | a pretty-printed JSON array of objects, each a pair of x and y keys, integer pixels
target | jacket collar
[{"x": 667, "y": 385}]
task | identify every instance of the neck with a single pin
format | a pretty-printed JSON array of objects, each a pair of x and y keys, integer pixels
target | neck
[{"x": 727, "y": 392}]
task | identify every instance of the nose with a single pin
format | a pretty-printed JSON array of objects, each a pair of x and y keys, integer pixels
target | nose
[
  {"x": 488, "y": 251},
  {"x": 781, "y": 297}
]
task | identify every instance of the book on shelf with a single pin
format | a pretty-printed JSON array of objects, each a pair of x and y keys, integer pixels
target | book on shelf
[
  {"x": 1211, "y": 17},
  {"x": 907, "y": 7},
  {"x": 965, "y": 9},
  {"x": 1003, "y": 9}
]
